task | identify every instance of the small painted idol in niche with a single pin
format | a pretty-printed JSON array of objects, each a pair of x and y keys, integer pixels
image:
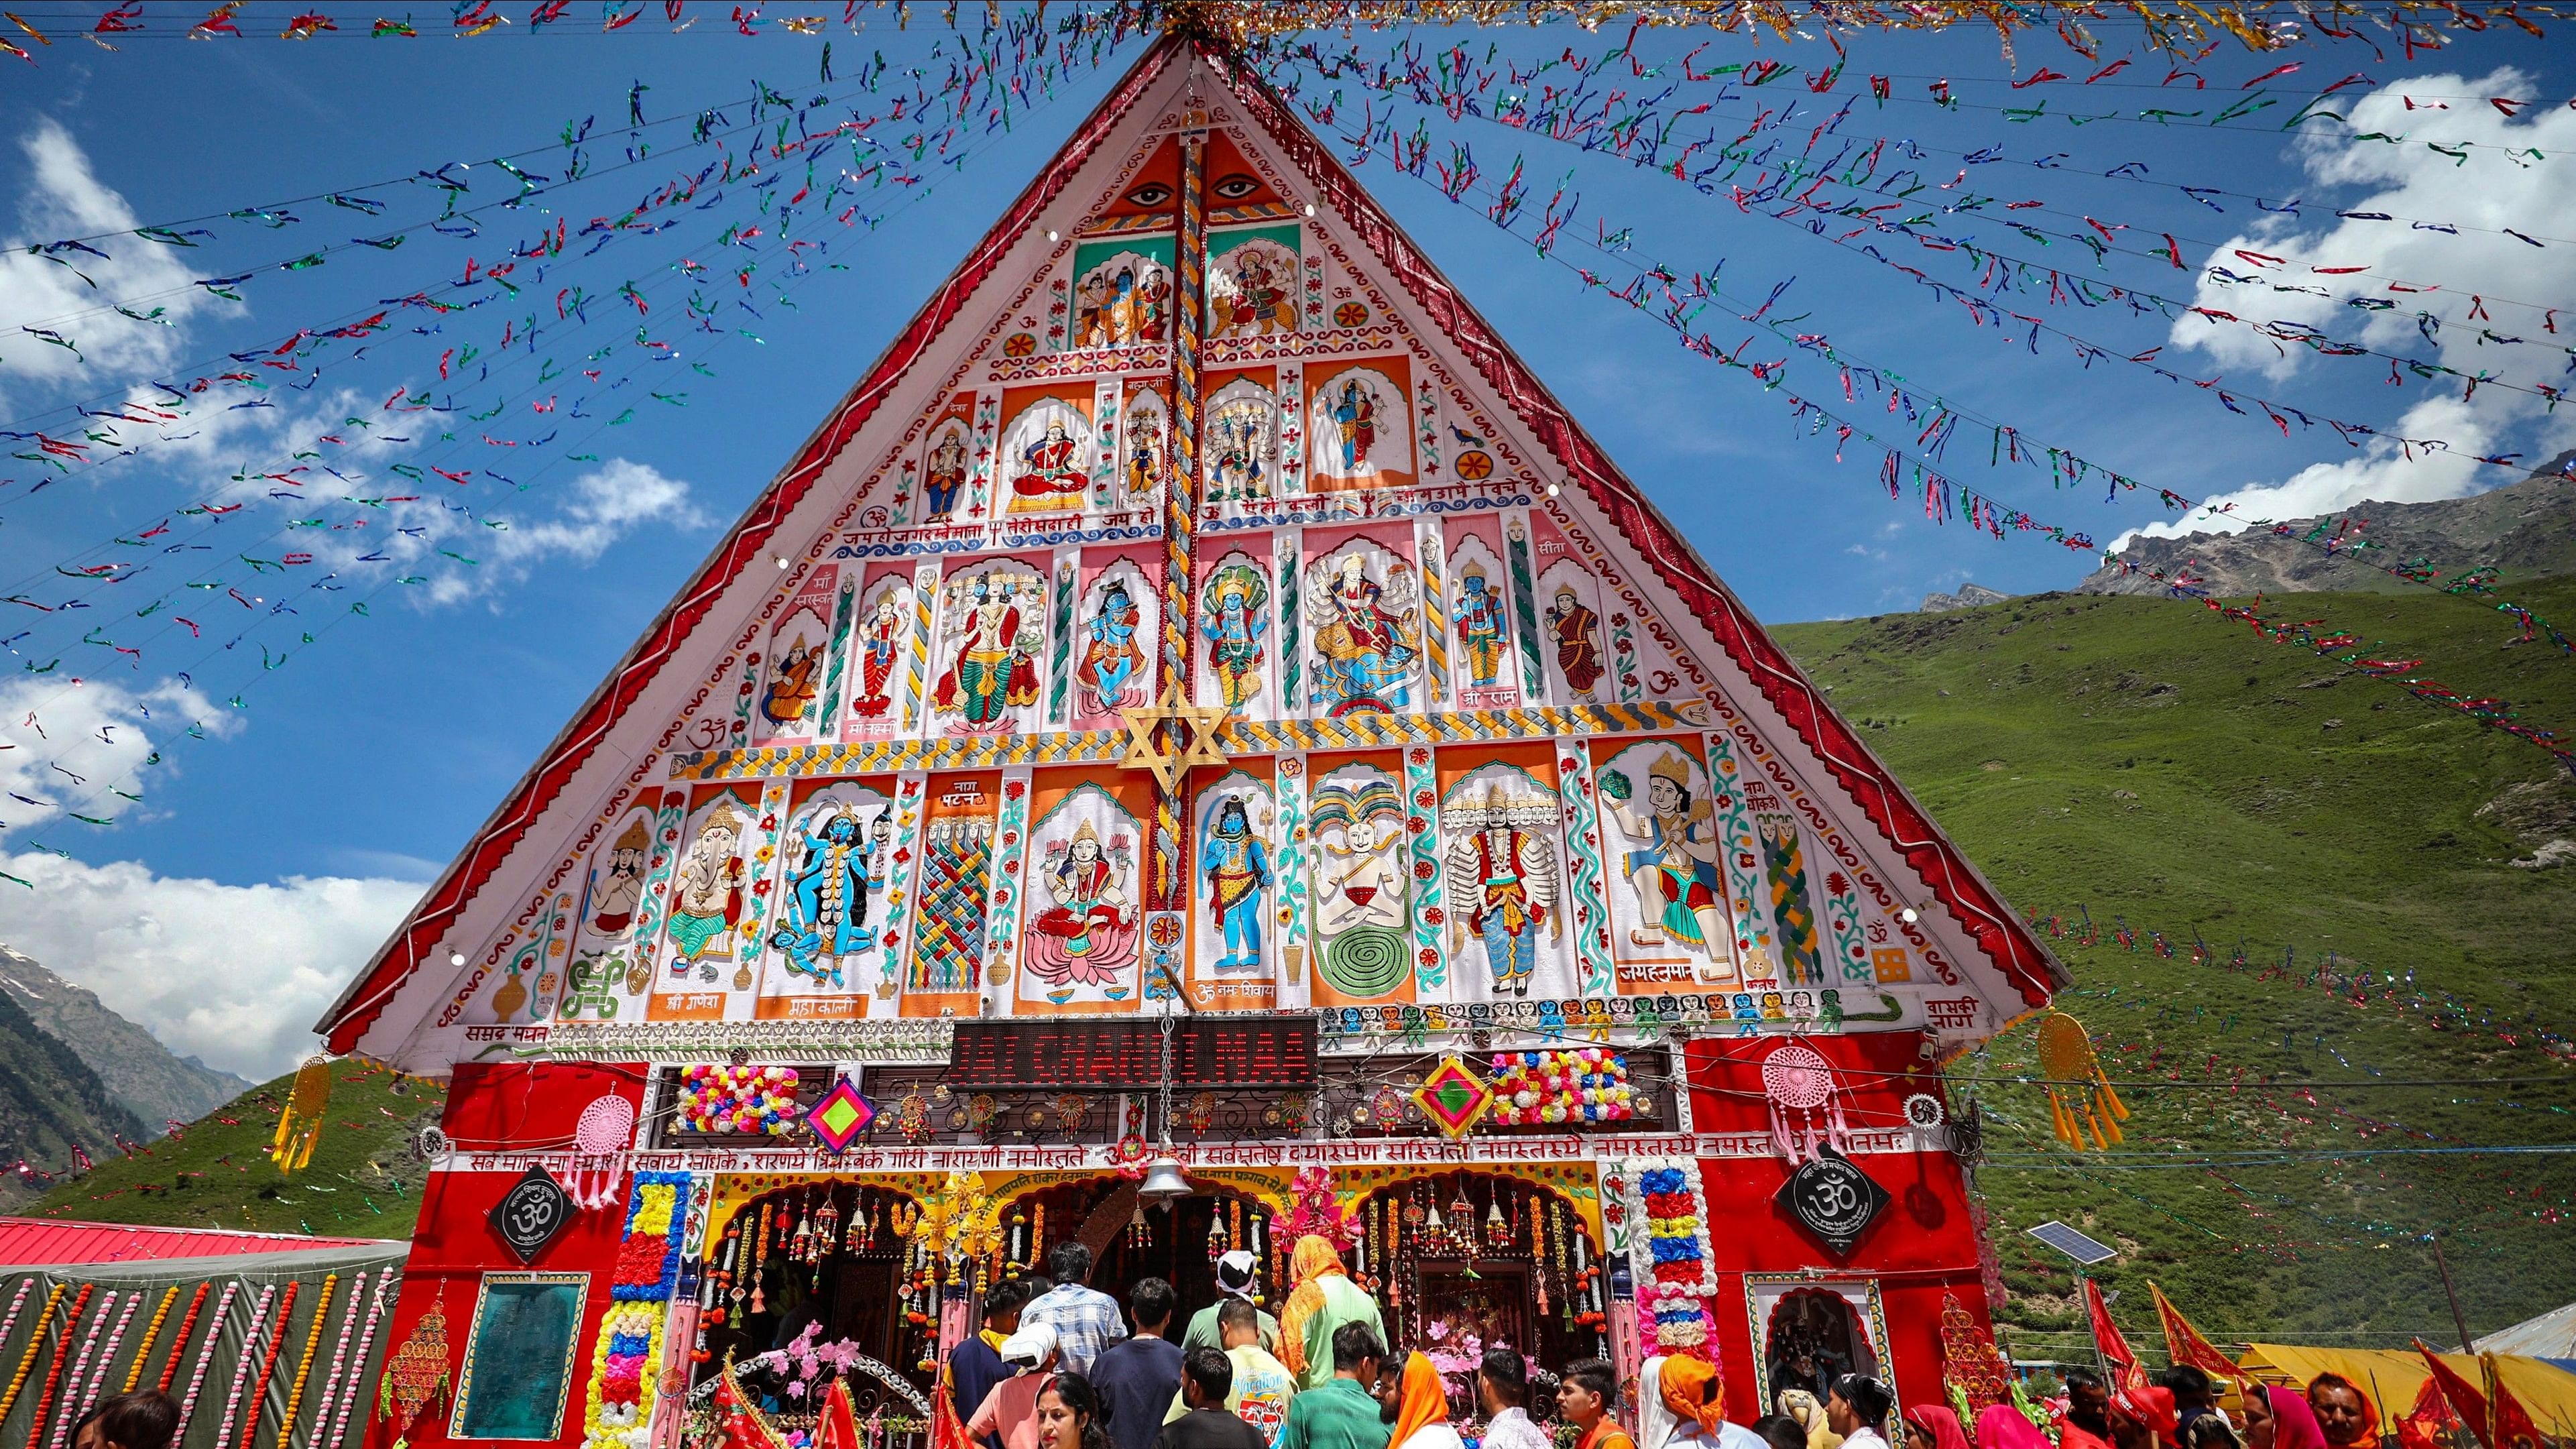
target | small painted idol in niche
[
  {"x": 1502, "y": 884},
  {"x": 1144, "y": 455},
  {"x": 1153, "y": 304},
  {"x": 790, "y": 695},
  {"x": 710, "y": 887},
  {"x": 1578, "y": 641},
  {"x": 1110, "y": 659},
  {"x": 1050, "y": 468},
  {"x": 1679, "y": 898},
  {"x": 1237, "y": 616},
  {"x": 879, "y": 640},
  {"x": 1360, "y": 909},
  {"x": 1236, "y": 866},
  {"x": 612, "y": 910},
  {"x": 1098, "y": 291},
  {"x": 1480, "y": 628},
  {"x": 943, "y": 475},
  {"x": 827, "y": 901},
  {"x": 994, "y": 668},
  {"x": 1367, "y": 651},
  {"x": 1239, "y": 450},
  {"x": 1088, "y": 937},
  {"x": 1354, "y": 426},
  {"x": 1261, "y": 303}
]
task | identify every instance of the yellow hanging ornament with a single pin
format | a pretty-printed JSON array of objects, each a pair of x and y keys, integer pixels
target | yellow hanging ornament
[
  {"x": 300, "y": 1125},
  {"x": 2079, "y": 1094}
]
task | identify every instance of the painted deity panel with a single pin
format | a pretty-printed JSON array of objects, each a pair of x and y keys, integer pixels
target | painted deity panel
[
  {"x": 1145, "y": 467},
  {"x": 805, "y": 651},
  {"x": 1080, "y": 948},
  {"x": 1122, "y": 293},
  {"x": 1506, "y": 881},
  {"x": 1670, "y": 921},
  {"x": 605, "y": 962},
  {"x": 1113, "y": 645},
  {"x": 715, "y": 897},
  {"x": 828, "y": 943},
  {"x": 888, "y": 630},
  {"x": 1363, "y": 614},
  {"x": 1235, "y": 653},
  {"x": 1234, "y": 965},
  {"x": 992, "y": 641},
  {"x": 1252, "y": 281},
  {"x": 1484, "y": 672},
  {"x": 954, "y": 895},
  {"x": 1357, "y": 429},
  {"x": 1363, "y": 916},
  {"x": 947, "y": 466},
  {"x": 1045, "y": 457},
  {"x": 1578, "y": 666},
  {"x": 1242, "y": 448}
]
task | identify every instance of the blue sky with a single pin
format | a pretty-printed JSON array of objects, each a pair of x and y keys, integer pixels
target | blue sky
[{"x": 264, "y": 863}]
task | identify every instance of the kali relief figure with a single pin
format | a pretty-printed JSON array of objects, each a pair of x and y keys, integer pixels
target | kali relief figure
[
  {"x": 1679, "y": 898},
  {"x": 1088, "y": 937},
  {"x": 1237, "y": 615},
  {"x": 880, "y": 645},
  {"x": 994, "y": 668},
  {"x": 1502, "y": 881},
  {"x": 1236, "y": 866},
  {"x": 709, "y": 886},
  {"x": 1366, "y": 642},
  {"x": 828, "y": 889},
  {"x": 1361, "y": 909},
  {"x": 1480, "y": 629},
  {"x": 1577, "y": 631}
]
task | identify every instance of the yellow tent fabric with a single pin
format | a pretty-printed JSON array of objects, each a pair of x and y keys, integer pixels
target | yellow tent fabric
[{"x": 2392, "y": 1378}]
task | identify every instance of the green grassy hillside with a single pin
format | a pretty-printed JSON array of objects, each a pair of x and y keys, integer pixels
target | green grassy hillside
[
  {"x": 362, "y": 1181},
  {"x": 2151, "y": 762}
]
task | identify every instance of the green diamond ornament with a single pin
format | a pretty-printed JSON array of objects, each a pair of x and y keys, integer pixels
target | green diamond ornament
[
  {"x": 1453, "y": 1097},
  {"x": 840, "y": 1117}
]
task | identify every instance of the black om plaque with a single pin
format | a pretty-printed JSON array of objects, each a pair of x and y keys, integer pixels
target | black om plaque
[
  {"x": 532, "y": 1213},
  {"x": 1832, "y": 1199}
]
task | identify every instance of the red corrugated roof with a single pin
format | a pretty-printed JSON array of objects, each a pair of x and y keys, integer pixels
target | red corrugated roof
[{"x": 26, "y": 1241}]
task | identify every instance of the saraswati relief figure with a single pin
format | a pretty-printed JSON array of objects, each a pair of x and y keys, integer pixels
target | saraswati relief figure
[
  {"x": 1088, "y": 937},
  {"x": 1234, "y": 620},
  {"x": 792, "y": 685}
]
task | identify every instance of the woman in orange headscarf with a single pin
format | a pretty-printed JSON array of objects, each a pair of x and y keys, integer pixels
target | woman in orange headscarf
[
  {"x": 1422, "y": 1409},
  {"x": 1324, "y": 1299}
]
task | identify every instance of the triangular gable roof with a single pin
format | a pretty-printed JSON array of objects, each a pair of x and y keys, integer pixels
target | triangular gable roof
[{"x": 625, "y": 719}]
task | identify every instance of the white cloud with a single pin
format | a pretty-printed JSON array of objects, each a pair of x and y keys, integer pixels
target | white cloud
[
  {"x": 603, "y": 506},
  {"x": 2472, "y": 271},
  {"x": 63, "y": 198},
  {"x": 70, "y": 746},
  {"x": 233, "y": 975}
]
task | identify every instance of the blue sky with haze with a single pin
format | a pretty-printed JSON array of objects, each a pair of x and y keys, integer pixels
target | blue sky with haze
[{"x": 264, "y": 864}]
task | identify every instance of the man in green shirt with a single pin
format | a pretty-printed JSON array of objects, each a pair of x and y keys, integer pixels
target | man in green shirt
[
  {"x": 1342, "y": 1412},
  {"x": 1236, "y": 1276}
]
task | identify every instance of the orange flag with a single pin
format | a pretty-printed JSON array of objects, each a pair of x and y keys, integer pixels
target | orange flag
[
  {"x": 2466, "y": 1400},
  {"x": 2509, "y": 1425},
  {"x": 839, "y": 1428},
  {"x": 2431, "y": 1415},
  {"x": 2183, "y": 1343}
]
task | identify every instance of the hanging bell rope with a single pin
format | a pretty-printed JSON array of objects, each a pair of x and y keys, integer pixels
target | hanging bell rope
[{"x": 2079, "y": 1094}]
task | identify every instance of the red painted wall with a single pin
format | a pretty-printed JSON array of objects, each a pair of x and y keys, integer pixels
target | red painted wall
[
  {"x": 502, "y": 1108},
  {"x": 1923, "y": 1244}
]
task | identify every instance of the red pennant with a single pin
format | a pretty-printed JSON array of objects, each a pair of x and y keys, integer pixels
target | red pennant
[
  {"x": 2466, "y": 1401},
  {"x": 839, "y": 1428},
  {"x": 2184, "y": 1344},
  {"x": 2509, "y": 1425},
  {"x": 2429, "y": 1418}
]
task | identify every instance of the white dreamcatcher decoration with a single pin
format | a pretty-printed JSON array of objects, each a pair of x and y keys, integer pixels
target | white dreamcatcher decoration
[
  {"x": 1806, "y": 1111},
  {"x": 600, "y": 1137}
]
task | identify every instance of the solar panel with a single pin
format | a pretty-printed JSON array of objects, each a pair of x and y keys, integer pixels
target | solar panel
[{"x": 2073, "y": 1244}]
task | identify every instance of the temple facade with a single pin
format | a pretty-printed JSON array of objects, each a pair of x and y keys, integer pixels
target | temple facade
[{"x": 1197, "y": 694}]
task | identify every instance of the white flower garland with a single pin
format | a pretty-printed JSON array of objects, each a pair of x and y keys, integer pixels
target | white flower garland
[{"x": 1673, "y": 1258}]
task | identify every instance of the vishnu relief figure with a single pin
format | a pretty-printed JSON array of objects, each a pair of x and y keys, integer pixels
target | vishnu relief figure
[
  {"x": 1502, "y": 886},
  {"x": 710, "y": 891},
  {"x": 1236, "y": 866},
  {"x": 1679, "y": 898},
  {"x": 1480, "y": 629},
  {"x": 612, "y": 906},
  {"x": 1234, "y": 622}
]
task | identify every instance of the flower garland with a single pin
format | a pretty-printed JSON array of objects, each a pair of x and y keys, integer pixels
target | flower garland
[
  {"x": 268, "y": 1365},
  {"x": 205, "y": 1355},
  {"x": 151, "y": 1335},
  {"x": 626, "y": 1362},
  {"x": 366, "y": 1345},
  {"x": 80, "y": 1368},
  {"x": 241, "y": 1363},
  {"x": 106, "y": 1356},
  {"x": 304, "y": 1364},
  {"x": 1674, "y": 1290},
  {"x": 339, "y": 1360},
  {"x": 1584, "y": 1084},
  {"x": 54, "y": 1374},
  {"x": 754, "y": 1101},
  {"x": 27, "y": 1360}
]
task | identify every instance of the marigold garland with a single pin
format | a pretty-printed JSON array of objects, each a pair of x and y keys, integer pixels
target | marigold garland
[
  {"x": 268, "y": 1365},
  {"x": 205, "y": 1354},
  {"x": 151, "y": 1335},
  {"x": 339, "y": 1360},
  {"x": 35, "y": 1345},
  {"x": 366, "y": 1345},
  {"x": 303, "y": 1367},
  {"x": 241, "y": 1364},
  {"x": 54, "y": 1374}
]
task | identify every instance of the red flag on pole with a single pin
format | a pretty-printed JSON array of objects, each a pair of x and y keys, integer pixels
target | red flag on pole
[
  {"x": 2183, "y": 1343},
  {"x": 839, "y": 1427},
  {"x": 2509, "y": 1425},
  {"x": 2431, "y": 1415},
  {"x": 2466, "y": 1400},
  {"x": 738, "y": 1424}
]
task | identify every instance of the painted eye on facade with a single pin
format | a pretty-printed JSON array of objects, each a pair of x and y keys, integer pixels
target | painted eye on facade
[
  {"x": 1235, "y": 187},
  {"x": 1152, "y": 193}
]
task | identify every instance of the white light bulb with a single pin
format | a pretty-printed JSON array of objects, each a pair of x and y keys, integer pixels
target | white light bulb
[
  {"x": 782, "y": 560},
  {"x": 1051, "y": 234},
  {"x": 1310, "y": 208},
  {"x": 1908, "y": 915},
  {"x": 455, "y": 958},
  {"x": 1551, "y": 490}
]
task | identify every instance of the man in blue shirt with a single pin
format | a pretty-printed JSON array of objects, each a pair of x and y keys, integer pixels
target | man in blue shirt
[
  {"x": 1085, "y": 1319},
  {"x": 1137, "y": 1378}
]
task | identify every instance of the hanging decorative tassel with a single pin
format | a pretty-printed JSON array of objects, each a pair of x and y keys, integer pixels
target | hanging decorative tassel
[
  {"x": 299, "y": 1127},
  {"x": 2075, "y": 1072},
  {"x": 1806, "y": 1111}
]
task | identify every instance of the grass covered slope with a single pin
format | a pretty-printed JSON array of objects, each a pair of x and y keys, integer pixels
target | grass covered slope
[
  {"x": 2147, "y": 760},
  {"x": 362, "y": 1181}
]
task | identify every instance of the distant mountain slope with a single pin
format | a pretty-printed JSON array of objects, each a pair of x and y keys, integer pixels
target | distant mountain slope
[
  {"x": 2294, "y": 1133},
  {"x": 216, "y": 1173},
  {"x": 2525, "y": 529},
  {"x": 157, "y": 1085},
  {"x": 50, "y": 1102}
]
